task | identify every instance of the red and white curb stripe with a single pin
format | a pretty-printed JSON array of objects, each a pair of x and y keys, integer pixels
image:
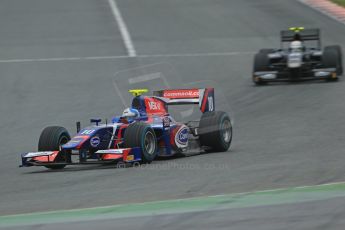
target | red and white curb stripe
[{"x": 328, "y": 8}]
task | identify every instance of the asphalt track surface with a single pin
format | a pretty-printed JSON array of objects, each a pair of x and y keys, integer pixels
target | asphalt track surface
[{"x": 285, "y": 135}]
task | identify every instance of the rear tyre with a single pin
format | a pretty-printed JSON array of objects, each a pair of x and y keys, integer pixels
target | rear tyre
[
  {"x": 331, "y": 58},
  {"x": 140, "y": 134},
  {"x": 266, "y": 51},
  {"x": 261, "y": 63},
  {"x": 51, "y": 139},
  {"x": 215, "y": 131}
]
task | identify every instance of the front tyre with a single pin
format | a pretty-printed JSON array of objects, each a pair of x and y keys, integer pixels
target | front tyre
[
  {"x": 140, "y": 134},
  {"x": 338, "y": 53},
  {"x": 215, "y": 131},
  {"x": 51, "y": 139},
  {"x": 261, "y": 63},
  {"x": 331, "y": 58}
]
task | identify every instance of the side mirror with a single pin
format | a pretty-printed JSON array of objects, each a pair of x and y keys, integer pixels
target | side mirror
[
  {"x": 78, "y": 126},
  {"x": 95, "y": 121}
]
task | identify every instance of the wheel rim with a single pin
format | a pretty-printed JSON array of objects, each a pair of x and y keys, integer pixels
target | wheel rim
[
  {"x": 226, "y": 131},
  {"x": 149, "y": 143},
  {"x": 63, "y": 140}
]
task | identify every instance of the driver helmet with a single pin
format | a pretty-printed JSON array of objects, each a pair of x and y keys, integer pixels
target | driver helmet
[
  {"x": 131, "y": 113},
  {"x": 296, "y": 46}
]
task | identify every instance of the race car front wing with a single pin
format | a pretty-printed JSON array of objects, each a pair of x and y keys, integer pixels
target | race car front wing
[
  {"x": 314, "y": 74},
  {"x": 48, "y": 158}
]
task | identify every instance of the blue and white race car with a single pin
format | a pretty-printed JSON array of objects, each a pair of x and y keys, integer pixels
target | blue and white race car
[{"x": 143, "y": 132}]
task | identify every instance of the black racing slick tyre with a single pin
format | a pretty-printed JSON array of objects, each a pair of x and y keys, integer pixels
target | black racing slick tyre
[
  {"x": 261, "y": 63},
  {"x": 337, "y": 49},
  {"x": 140, "y": 134},
  {"x": 51, "y": 139},
  {"x": 215, "y": 131},
  {"x": 266, "y": 51},
  {"x": 332, "y": 58}
]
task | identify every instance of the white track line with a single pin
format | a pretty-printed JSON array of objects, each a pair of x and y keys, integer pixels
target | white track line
[
  {"x": 123, "y": 28},
  {"x": 123, "y": 57},
  {"x": 196, "y": 54}
]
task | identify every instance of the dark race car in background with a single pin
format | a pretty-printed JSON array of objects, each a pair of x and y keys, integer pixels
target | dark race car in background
[
  {"x": 299, "y": 58},
  {"x": 145, "y": 131}
]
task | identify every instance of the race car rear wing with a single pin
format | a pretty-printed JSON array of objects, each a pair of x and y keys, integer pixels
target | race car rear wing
[
  {"x": 302, "y": 35},
  {"x": 203, "y": 97}
]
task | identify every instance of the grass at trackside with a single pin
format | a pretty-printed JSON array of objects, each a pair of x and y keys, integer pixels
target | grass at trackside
[
  {"x": 340, "y": 2},
  {"x": 226, "y": 201}
]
